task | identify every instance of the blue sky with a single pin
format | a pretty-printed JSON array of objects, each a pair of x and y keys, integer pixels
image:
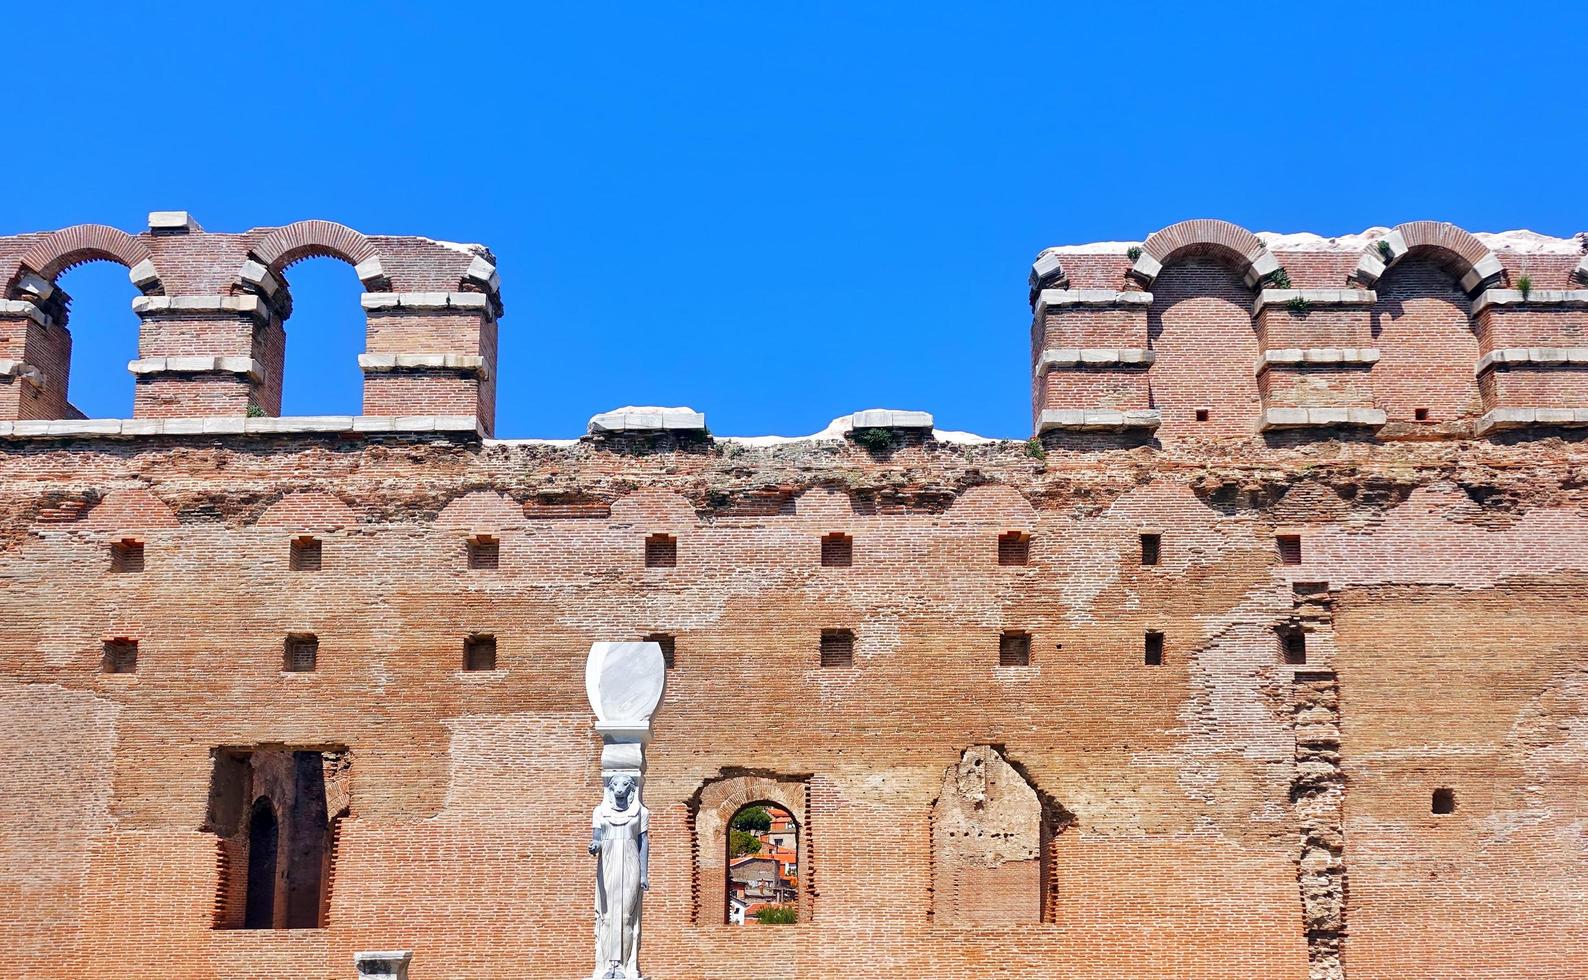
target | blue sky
[{"x": 774, "y": 214}]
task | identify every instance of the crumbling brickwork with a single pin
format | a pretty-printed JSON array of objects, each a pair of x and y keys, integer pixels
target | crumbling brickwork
[{"x": 1250, "y": 805}]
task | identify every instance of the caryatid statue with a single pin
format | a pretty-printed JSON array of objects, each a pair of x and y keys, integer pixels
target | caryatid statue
[{"x": 624, "y": 682}]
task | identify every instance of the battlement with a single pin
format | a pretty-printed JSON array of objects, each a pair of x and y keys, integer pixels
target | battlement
[
  {"x": 1207, "y": 330},
  {"x": 213, "y": 309}
]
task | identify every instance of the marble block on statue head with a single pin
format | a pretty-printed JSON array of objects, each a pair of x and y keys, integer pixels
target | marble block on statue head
[{"x": 624, "y": 682}]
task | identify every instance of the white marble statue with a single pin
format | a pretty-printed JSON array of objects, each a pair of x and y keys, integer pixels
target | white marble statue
[
  {"x": 620, "y": 840},
  {"x": 624, "y": 681}
]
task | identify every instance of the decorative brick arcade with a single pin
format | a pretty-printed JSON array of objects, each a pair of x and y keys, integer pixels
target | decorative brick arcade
[{"x": 1263, "y": 657}]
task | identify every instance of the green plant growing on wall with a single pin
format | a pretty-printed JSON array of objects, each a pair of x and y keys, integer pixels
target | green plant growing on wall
[
  {"x": 777, "y": 915},
  {"x": 1279, "y": 278},
  {"x": 255, "y": 412},
  {"x": 1525, "y": 285},
  {"x": 876, "y": 440},
  {"x": 1035, "y": 449},
  {"x": 1384, "y": 250},
  {"x": 1299, "y": 305},
  {"x": 1133, "y": 253}
]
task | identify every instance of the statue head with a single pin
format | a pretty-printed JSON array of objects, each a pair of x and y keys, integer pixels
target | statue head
[{"x": 622, "y": 788}]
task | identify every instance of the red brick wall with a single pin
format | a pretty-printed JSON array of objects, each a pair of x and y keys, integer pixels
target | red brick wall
[{"x": 1200, "y": 324}]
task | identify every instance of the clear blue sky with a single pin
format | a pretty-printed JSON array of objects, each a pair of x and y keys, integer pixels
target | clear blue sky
[{"x": 774, "y": 213}]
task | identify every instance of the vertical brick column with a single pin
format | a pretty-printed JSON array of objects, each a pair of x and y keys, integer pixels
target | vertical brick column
[
  {"x": 1315, "y": 356},
  {"x": 201, "y": 356},
  {"x": 1533, "y": 353},
  {"x": 432, "y": 354},
  {"x": 35, "y": 359},
  {"x": 1090, "y": 359}
]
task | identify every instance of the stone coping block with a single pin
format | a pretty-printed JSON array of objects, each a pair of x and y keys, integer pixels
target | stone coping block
[
  {"x": 1302, "y": 418},
  {"x": 21, "y": 307},
  {"x": 1098, "y": 419},
  {"x": 1535, "y": 297},
  {"x": 36, "y": 286},
  {"x": 244, "y": 304},
  {"x": 425, "y": 301},
  {"x": 1314, "y": 297},
  {"x": 484, "y": 273},
  {"x": 238, "y": 425},
  {"x": 890, "y": 418},
  {"x": 255, "y": 274},
  {"x": 1543, "y": 356},
  {"x": 379, "y": 363},
  {"x": 1290, "y": 356},
  {"x": 1068, "y": 357},
  {"x": 1145, "y": 269},
  {"x": 635, "y": 419},
  {"x": 17, "y": 369},
  {"x": 172, "y": 222},
  {"x": 200, "y": 364},
  {"x": 383, "y": 964},
  {"x": 1090, "y": 297},
  {"x": 1581, "y": 272},
  {"x": 1500, "y": 419}
]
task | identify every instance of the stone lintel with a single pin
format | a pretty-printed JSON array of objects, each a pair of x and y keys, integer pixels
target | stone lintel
[
  {"x": 199, "y": 364},
  {"x": 1314, "y": 297},
  {"x": 1500, "y": 419},
  {"x": 245, "y": 304},
  {"x": 1491, "y": 298},
  {"x": 172, "y": 223},
  {"x": 426, "y": 301},
  {"x": 1328, "y": 356},
  {"x": 1090, "y": 297},
  {"x": 1098, "y": 419},
  {"x": 22, "y": 307},
  {"x": 17, "y": 369},
  {"x": 1539, "y": 356},
  {"x": 890, "y": 418},
  {"x": 1303, "y": 418},
  {"x": 238, "y": 425},
  {"x": 1072, "y": 357},
  {"x": 647, "y": 419},
  {"x": 462, "y": 363}
]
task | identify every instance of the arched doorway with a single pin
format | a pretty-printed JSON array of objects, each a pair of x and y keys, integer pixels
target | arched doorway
[
  {"x": 762, "y": 866},
  {"x": 263, "y": 836}
]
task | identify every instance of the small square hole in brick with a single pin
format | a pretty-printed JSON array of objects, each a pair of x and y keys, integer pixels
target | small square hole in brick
[
  {"x": 1289, "y": 548},
  {"x": 1152, "y": 649},
  {"x": 665, "y": 641},
  {"x": 120, "y": 656},
  {"x": 1203, "y": 414},
  {"x": 301, "y": 653},
  {"x": 479, "y": 652},
  {"x": 838, "y": 648},
  {"x": 1014, "y": 548},
  {"x": 304, "y": 554},
  {"x": 1420, "y": 414},
  {"x": 1151, "y": 547},
  {"x": 1294, "y": 645},
  {"x": 838, "y": 550},
  {"x": 1014, "y": 649},
  {"x": 126, "y": 555},
  {"x": 1444, "y": 801},
  {"x": 485, "y": 552},
  {"x": 661, "y": 551}
]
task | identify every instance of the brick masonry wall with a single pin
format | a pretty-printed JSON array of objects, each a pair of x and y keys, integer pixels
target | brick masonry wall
[{"x": 1451, "y": 565}]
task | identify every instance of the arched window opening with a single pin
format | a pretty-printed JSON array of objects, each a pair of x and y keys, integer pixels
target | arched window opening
[
  {"x": 763, "y": 866},
  {"x": 92, "y": 348},
  {"x": 324, "y": 336},
  {"x": 263, "y": 843}
]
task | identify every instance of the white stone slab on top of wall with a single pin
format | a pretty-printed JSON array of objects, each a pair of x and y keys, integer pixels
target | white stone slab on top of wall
[
  {"x": 890, "y": 418},
  {"x": 648, "y": 418}
]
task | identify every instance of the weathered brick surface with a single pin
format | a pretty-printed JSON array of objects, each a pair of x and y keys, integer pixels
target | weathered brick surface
[{"x": 1223, "y": 814}]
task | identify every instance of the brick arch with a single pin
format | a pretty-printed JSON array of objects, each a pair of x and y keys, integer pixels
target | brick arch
[
  {"x": 315, "y": 238},
  {"x": 1472, "y": 263},
  {"x": 60, "y": 250},
  {"x": 714, "y": 804},
  {"x": 1205, "y": 236}
]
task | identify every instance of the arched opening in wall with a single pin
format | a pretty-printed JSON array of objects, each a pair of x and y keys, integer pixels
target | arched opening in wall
[
  {"x": 762, "y": 866},
  {"x": 1422, "y": 327},
  {"x": 1200, "y": 326},
  {"x": 324, "y": 336},
  {"x": 98, "y": 340},
  {"x": 263, "y": 844}
]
